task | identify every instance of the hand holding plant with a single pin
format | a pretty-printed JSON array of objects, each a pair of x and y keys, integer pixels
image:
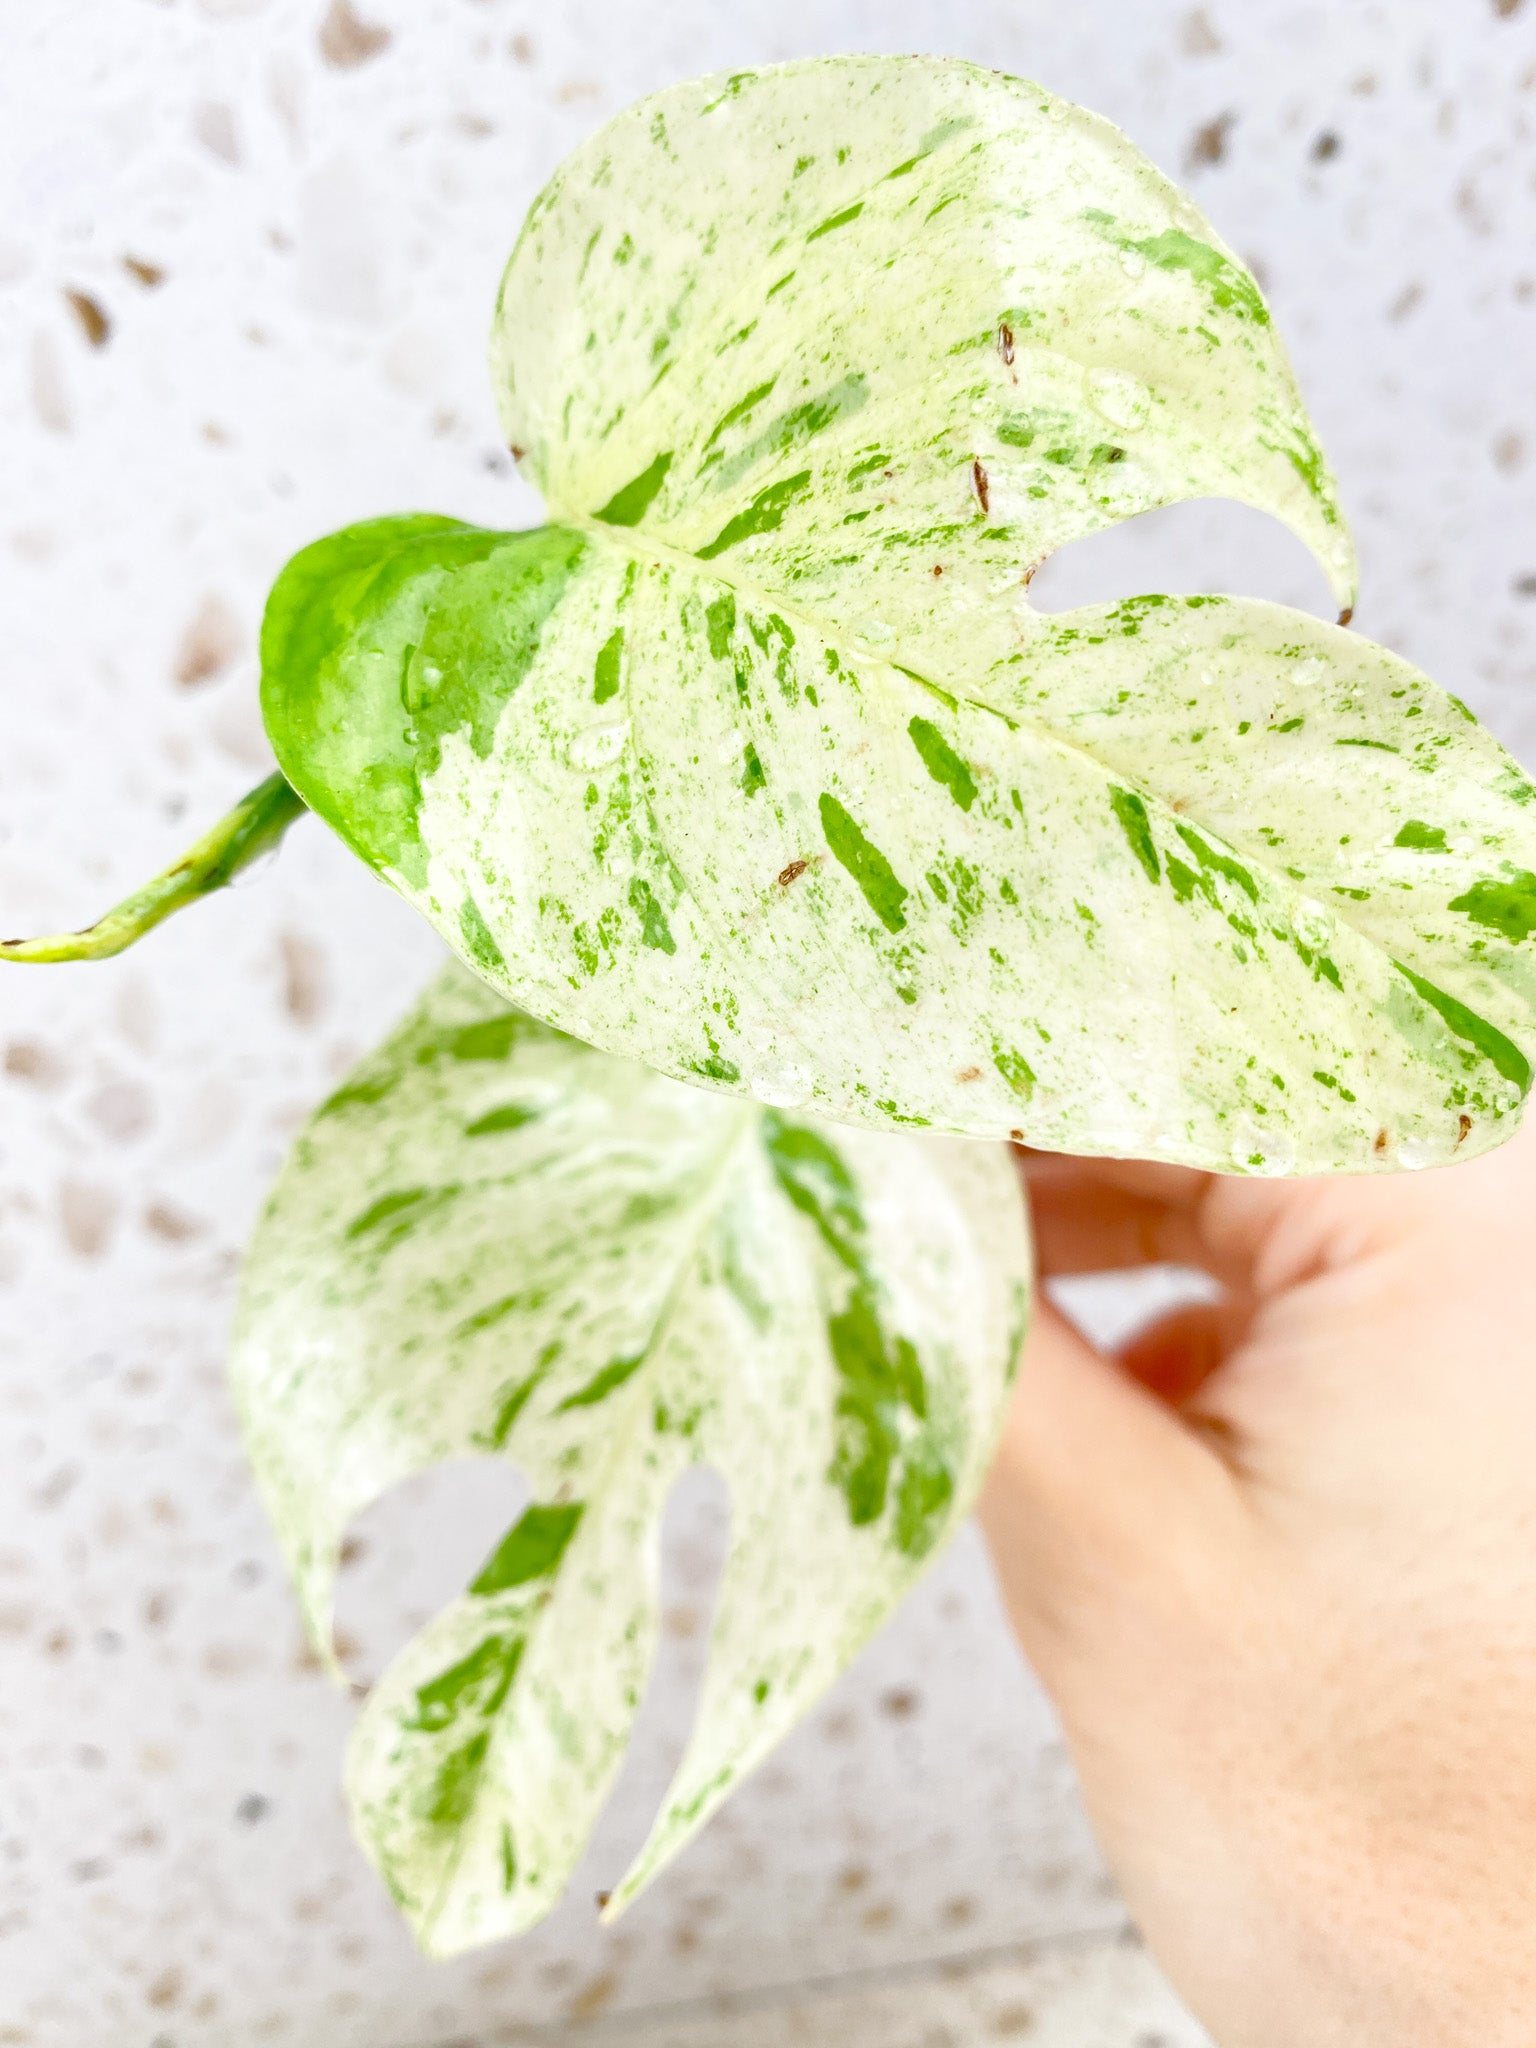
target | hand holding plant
[{"x": 1286, "y": 1599}]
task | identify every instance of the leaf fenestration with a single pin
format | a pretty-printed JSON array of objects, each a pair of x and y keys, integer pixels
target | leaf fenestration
[{"x": 643, "y": 1277}]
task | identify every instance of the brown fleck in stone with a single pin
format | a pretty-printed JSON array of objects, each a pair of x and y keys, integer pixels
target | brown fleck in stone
[
  {"x": 877, "y": 1917},
  {"x": 901, "y": 1703},
  {"x": 853, "y": 1878},
  {"x": 959, "y": 1912},
  {"x": 1013, "y": 2021},
  {"x": 1197, "y": 38},
  {"x": 209, "y": 644},
  {"x": 165, "y": 1989},
  {"x": 87, "y": 1217},
  {"x": 353, "y": 1550},
  {"x": 593, "y": 1998},
  {"x": 347, "y": 41},
  {"x": 1326, "y": 147},
  {"x": 150, "y": 275},
  {"x": 1505, "y": 8},
  {"x": 1209, "y": 142},
  {"x": 304, "y": 989},
  {"x": 26, "y": 1060},
  {"x": 175, "y": 1226},
  {"x": 213, "y": 124},
  {"x": 521, "y": 49},
  {"x": 120, "y": 1110},
  {"x": 95, "y": 322}
]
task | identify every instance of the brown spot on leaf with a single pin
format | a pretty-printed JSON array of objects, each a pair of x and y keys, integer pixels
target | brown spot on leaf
[
  {"x": 1005, "y": 343},
  {"x": 150, "y": 275},
  {"x": 938, "y": 568},
  {"x": 1464, "y": 1129},
  {"x": 209, "y": 644},
  {"x": 979, "y": 481},
  {"x": 1209, "y": 142},
  {"x": 347, "y": 41},
  {"x": 1380, "y": 1143},
  {"x": 792, "y": 873},
  {"x": 969, "y": 1074},
  {"x": 95, "y": 322},
  {"x": 1346, "y": 615}
]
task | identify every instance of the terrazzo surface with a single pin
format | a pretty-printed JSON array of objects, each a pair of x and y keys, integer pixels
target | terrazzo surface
[{"x": 247, "y": 254}]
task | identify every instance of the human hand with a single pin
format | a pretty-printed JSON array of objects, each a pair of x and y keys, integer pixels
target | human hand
[{"x": 1277, "y": 1567}]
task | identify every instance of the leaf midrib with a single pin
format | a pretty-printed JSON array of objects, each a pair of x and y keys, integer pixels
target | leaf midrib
[
  {"x": 658, "y": 553},
  {"x": 739, "y": 1120}
]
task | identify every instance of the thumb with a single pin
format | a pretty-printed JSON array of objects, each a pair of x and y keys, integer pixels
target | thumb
[{"x": 1099, "y": 1497}]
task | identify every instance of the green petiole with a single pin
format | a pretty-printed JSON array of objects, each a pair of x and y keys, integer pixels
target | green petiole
[{"x": 255, "y": 824}]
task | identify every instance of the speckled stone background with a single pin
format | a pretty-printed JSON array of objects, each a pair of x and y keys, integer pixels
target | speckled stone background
[{"x": 247, "y": 255}]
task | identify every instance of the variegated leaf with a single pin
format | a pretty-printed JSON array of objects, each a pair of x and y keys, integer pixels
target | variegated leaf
[
  {"x": 757, "y": 765},
  {"x": 495, "y": 1239}
]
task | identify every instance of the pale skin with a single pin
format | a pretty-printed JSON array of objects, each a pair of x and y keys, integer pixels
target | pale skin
[{"x": 1276, "y": 1565}]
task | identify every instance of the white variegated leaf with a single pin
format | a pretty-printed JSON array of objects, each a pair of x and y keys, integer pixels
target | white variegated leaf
[
  {"x": 495, "y": 1239},
  {"x": 757, "y": 765}
]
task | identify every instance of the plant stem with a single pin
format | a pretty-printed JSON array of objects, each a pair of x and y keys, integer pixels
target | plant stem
[{"x": 256, "y": 823}]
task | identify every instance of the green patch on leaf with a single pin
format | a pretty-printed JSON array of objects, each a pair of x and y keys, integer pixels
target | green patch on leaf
[
  {"x": 868, "y": 866},
  {"x": 942, "y": 762}
]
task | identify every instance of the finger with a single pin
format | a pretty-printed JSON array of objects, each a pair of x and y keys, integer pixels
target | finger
[
  {"x": 1097, "y": 1490},
  {"x": 1175, "y": 1356},
  {"x": 1179, "y": 1186},
  {"x": 1090, "y": 1227}
]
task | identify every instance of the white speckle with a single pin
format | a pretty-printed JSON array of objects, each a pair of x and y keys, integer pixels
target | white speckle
[
  {"x": 1133, "y": 263},
  {"x": 599, "y": 744},
  {"x": 1121, "y": 399}
]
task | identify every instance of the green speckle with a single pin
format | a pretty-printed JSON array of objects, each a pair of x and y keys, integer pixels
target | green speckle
[
  {"x": 1506, "y": 1058},
  {"x": 836, "y": 220},
  {"x": 602, "y": 1384},
  {"x": 813, "y": 1176},
  {"x": 720, "y": 624},
  {"x": 925, "y": 1492},
  {"x": 401, "y": 1210},
  {"x": 717, "y": 1068},
  {"x": 1289, "y": 725},
  {"x": 752, "y": 777},
  {"x": 865, "y": 862},
  {"x": 477, "y": 1684},
  {"x": 1015, "y": 1070},
  {"x": 531, "y": 1549},
  {"x": 765, "y": 514},
  {"x": 942, "y": 762},
  {"x": 491, "y": 1040},
  {"x": 508, "y": 1858},
  {"x": 1421, "y": 837},
  {"x": 1219, "y": 863},
  {"x": 605, "y": 677},
  {"x": 1507, "y": 907},
  {"x": 1132, "y": 813},
  {"x": 1380, "y": 746},
  {"x": 510, "y": 1117},
  {"x": 740, "y": 409},
  {"x": 627, "y": 507},
  {"x": 867, "y": 1434},
  {"x": 760, "y": 1691},
  {"x": 655, "y": 932},
  {"x": 1230, "y": 288},
  {"x": 477, "y": 939}
]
